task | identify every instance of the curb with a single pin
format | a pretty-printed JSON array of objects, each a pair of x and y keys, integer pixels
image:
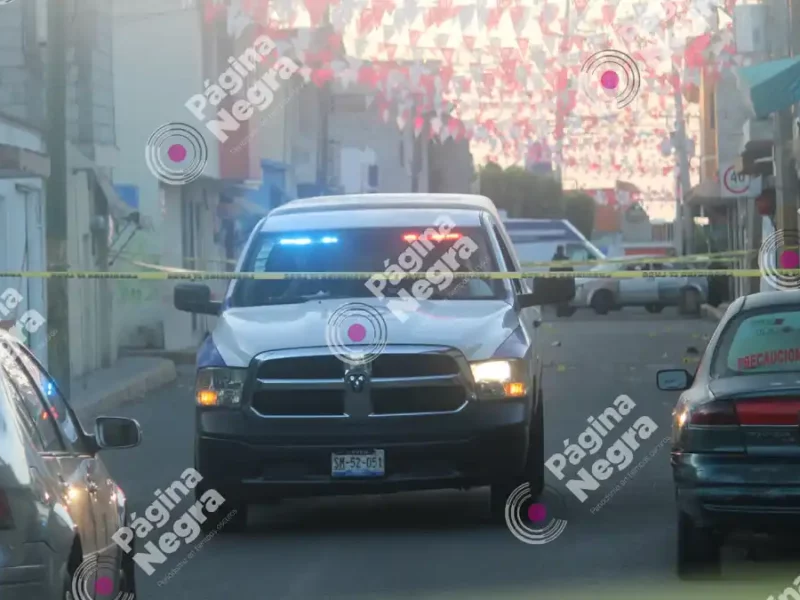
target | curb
[
  {"x": 711, "y": 313},
  {"x": 131, "y": 389},
  {"x": 187, "y": 356}
]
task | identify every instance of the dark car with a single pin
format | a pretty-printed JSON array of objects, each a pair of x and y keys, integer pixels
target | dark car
[
  {"x": 736, "y": 430},
  {"x": 59, "y": 507}
]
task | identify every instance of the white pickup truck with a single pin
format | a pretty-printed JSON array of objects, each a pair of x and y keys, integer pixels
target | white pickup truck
[{"x": 318, "y": 386}]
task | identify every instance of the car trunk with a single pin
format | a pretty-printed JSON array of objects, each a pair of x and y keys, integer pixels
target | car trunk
[{"x": 768, "y": 411}]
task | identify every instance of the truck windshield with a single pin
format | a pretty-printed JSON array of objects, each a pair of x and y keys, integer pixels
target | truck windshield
[{"x": 374, "y": 250}]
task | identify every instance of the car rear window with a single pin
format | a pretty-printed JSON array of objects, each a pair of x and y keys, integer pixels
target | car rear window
[{"x": 760, "y": 343}]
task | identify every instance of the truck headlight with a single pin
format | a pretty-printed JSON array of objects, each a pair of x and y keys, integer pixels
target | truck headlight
[
  {"x": 219, "y": 386},
  {"x": 496, "y": 379}
]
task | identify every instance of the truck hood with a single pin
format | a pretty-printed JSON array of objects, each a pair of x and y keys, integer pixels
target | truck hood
[{"x": 475, "y": 327}]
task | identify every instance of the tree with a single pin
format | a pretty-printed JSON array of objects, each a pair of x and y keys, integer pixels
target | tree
[
  {"x": 579, "y": 209},
  {"x": 526, "y": 195},
  {"x": 520, "y": 193}
]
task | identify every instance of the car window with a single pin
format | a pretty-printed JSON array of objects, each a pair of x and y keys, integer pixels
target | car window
[
  {"x": 52, "y": 396},
  {"x": 32, "y": 400},
  {"x": 508, "y": 259},
  {"x": 528, "y": 252},
  {"x": 759, "y": 343},
  {"x": 577, "y": 252}
]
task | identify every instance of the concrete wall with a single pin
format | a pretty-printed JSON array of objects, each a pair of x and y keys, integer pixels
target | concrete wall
[
  {"x": 152, "y": 83},
  {"x": 21, "y": 63},
  {"x": 365, "y": 130},
  {"x": 22, "y": 245}
]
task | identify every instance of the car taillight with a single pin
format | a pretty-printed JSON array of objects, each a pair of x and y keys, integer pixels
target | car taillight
[
  {"x": 717, "y": 412},
  {"x": 769, "y": 411},
  {"x": 6, "y": 522}
]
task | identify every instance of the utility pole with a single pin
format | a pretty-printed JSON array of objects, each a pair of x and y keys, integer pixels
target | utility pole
[
  {"x": 56, "y": 200},
  {"x": 416, "y": 159},
  {"x": 563, "y": 99},
  {"x": 786, "y": 185},
  {"x": 325, "y": 95},
  {"x": 683, "y": 237}
]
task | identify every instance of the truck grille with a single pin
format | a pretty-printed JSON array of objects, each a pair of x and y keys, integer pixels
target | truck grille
[
  {"x": 384, "y": 366},
  {"x": 301, "y": 403},
  {"x": 430, "y": 399},
  {"x": 311, "y": 382}
]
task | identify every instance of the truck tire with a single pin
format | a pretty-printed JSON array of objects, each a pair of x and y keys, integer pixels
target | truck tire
[
  {"x": 602, "y": 302},
  {"x": 534, "y": 470}
]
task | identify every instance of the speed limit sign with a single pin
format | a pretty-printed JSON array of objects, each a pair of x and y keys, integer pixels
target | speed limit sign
[{"x": 735, "y": 184}]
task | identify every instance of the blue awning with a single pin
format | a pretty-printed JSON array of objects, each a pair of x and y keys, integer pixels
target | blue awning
[{"x": 771, "y": 86}]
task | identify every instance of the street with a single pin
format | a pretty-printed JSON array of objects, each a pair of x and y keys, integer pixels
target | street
[{"x": 440, "y": 544}]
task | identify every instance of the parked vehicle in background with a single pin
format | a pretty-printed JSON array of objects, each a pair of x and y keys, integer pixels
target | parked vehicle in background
[
  {"x": 653, "y": 293},
  {"x": 735, "y": 452},
  {"x": 58, "y": 504},
  {"x": 536, "y": 240}
]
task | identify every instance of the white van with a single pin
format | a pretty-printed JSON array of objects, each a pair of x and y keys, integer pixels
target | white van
[{"x": 536, "y": 240}]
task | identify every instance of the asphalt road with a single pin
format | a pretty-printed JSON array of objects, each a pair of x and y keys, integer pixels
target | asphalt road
[{"x": 440, "y": 544}]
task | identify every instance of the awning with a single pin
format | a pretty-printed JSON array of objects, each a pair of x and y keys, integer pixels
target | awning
[
  {"x": 707, "y": 192},
  {"x": 16, "y": 163},
  {"x": 117, "y": 207},
  {"x": 770, "y": 86}
]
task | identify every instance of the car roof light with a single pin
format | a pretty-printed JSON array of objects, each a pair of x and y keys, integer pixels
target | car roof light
[
  {"x": 295, "y": 241},
  {"x": 436, "y": 237}
]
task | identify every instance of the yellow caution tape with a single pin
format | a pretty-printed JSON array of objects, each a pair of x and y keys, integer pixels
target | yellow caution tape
[
  {"x": 730, "y": 255},
  {"x": 225, "y": 275}
]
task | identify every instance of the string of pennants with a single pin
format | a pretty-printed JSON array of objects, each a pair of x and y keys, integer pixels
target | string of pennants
[{"x": 504, "y": 72}]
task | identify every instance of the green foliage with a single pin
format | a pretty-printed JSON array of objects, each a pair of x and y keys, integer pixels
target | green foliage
[
  {"x": 579, "y": 210},
  {"x": 526, "y": 195}
]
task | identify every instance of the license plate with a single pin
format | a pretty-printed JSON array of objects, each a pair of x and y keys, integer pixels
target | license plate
[{"x": 358, "y": 463}]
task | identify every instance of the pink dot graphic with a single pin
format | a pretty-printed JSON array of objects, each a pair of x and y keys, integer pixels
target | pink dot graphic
[
  {"x": 176, "y": 153},
  {"x": 537, "y": 513},
  {"x": 104, "y": 586},
  {"x": 790, "y": 259},
  {"x": 356, "y": 332},
  {"x": 609, "y": 80}
]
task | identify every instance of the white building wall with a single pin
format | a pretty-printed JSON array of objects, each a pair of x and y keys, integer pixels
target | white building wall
[
  {"x": 152, "y": 83},
  {"x": 22, "y": 241},
  {"x": 366, "y": 132}
]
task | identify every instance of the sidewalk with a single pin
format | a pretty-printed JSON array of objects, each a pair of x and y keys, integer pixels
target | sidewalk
[{"x": 128, "y": 379}]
